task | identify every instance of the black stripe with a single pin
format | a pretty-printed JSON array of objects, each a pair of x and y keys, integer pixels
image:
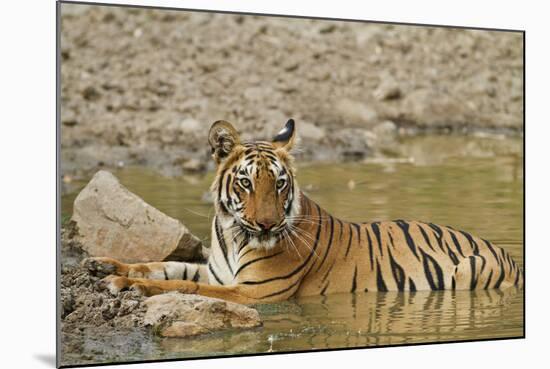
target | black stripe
[
  {"x": 412, "y": 286},
  {"x": 354, "y": 280},
  {"x": 184, "y": 276},
  {"x": 376, "y": 231},
  {"x": 350, "y": 238},
  {"x": 488, "y": 280},
  {"x": 227, "y": 184},
  {"x": 302, "y": 265},
  {"x": 371, "y": 252},
  {"x": 254, "y": 261},
  {"x": 473, "y": 279},
  {"x": 456, "y": 243},
  {"x": 397, "y": 272},
  {"x": 324, "y": 289},
  {"x": 270, "y": 156},
  {"x": 518, "y": 272},
  {"x": 426, "y": 238},
  {"x": 483, "y": 264},
  {"x": 221, "y": 242},
  {"x": 391, "y": 240},
  {"x": 410, "y": 242},
  {"x": 358, "y": 227},
  {"x": 289, "y": 197},
  {"x": 197, "y": 274},
  {"x": 438, "y": 235},
  {"x": 328, "y": 271},
  {"x": 453, "y": 282},
  {"x": 501, "y": 276},
  {"x": 214, "y": 274},
  {"x": 341, "y": 229},
  {"x": 452, "y": 255},
  {"x": 247, "y": 251},
  {"x": 329, "y": 243},
  {"x": 428, "y": 261},
  {"x": 165, "y": 274},
  {"x": 380, "y": 284},
  {"x": 508, "y": 259},
  {"x": 283, "y": 290},
  {"x": 473, "y": 244},
  {"x": 490, "y": 247}
]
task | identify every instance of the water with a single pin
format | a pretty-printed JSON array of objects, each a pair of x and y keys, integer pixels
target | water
[{"x": 482, "y": 195}]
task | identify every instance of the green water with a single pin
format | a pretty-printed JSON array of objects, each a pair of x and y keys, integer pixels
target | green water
[{"x": 481, "y": 195}]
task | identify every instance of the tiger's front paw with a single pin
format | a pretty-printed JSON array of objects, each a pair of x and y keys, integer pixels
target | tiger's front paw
[
  {"x": 114, "y": 284},
  {"x": 104, "y": 266}
]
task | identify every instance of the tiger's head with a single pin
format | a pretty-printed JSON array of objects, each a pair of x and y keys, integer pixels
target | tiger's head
[{"x": 254, "y": 191}]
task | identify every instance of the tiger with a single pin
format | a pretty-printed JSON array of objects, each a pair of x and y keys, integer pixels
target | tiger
[{"x": 270, "y": 242}]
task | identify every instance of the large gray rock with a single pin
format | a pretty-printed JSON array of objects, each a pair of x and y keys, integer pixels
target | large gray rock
[
  {"x": 114, "y": 222},
  {"x": 180, "y": 315}
]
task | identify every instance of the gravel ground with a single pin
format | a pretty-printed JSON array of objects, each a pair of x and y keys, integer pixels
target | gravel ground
[{"x": 143, "y": 86}]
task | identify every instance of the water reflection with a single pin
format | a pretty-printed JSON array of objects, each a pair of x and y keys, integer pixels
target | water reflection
[
  {"x": 482, "y": 196},
  {"x": 367, "y": 319}
]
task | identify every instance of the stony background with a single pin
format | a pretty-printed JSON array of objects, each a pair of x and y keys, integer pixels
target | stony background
[{"x": 143, "y": 86}]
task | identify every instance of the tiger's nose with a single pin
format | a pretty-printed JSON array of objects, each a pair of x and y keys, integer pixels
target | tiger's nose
[{"x": 266, "y": 224}]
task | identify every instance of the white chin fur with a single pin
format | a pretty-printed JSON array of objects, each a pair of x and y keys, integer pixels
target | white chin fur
[{"x": 256, "y": 243}]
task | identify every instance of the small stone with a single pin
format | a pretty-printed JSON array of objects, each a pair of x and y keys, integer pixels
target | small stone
[
  {"x": 181, "y": 315},
  {"x": 309, "y": 131},
  {"x": 193, "y": 165},
  {"x": 385, "y": 131},
  {"x": 388, "y": 89},
  {"x": 91, "y": 93},
  {"x": 355, "y": 113}
]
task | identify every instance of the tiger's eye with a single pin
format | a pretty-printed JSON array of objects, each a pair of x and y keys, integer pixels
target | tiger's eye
[
  {"x": 280, "y": 183},
  {"x": 245, "y": 183}
]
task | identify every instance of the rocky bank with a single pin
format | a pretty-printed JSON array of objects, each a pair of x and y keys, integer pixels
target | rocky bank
[
  {"x": 143, "y": 86},
  {"x": 88, "y": 310}
]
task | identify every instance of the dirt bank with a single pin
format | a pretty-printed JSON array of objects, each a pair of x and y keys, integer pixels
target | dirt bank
[
  {"x": 143, "y": 86},
  {"x": 90, "y": 314},
  {"x": 83, "y": 303}
]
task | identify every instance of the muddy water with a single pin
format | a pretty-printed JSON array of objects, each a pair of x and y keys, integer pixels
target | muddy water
[{"x": 481, "y": 195}]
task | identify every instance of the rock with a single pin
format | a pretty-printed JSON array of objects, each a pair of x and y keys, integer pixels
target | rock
[
  {"x": 385, "y": 132},
  {"x": 435, "y": 109},
  {"x": 91, "y": 93},
  {"x": 353, "y": 143},
  {"x": 68, "y": 117},
  {"x": 310, "y": 132},
  {"x": 180, "y": 315},
  {"x": 112, "y": 221},
  {"x": 355, "y": 113},
  {"x": 388, "y": 89},
  {"x": 193, "y": 165}
]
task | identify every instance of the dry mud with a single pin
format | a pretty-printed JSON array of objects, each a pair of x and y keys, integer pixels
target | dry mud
[
  {"x": 89, "y": 313},
  {"x": 143, "y": 86},
  {"x": 84, "y": 305}
]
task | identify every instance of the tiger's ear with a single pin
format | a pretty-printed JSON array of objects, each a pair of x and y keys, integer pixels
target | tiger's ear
[
  {"x": 223, "y": 138},
  {"x": 285, "y": 138}
]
